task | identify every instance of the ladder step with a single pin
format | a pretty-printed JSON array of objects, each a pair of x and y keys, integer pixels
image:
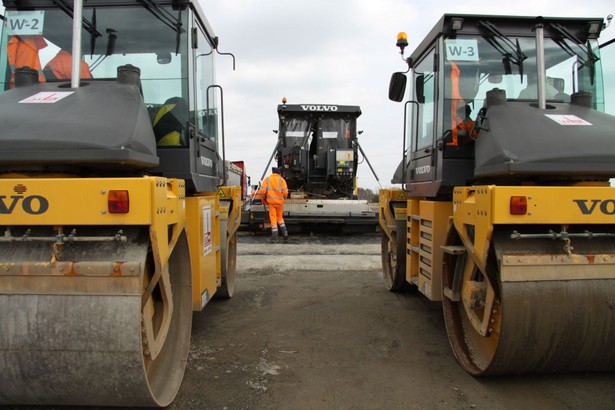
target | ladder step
[
  {"x": 454, "y": 250},
  {"x": 453, "y": 296}
]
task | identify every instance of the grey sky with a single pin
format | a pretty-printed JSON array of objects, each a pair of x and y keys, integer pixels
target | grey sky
[{"x": 334, "y": 52}]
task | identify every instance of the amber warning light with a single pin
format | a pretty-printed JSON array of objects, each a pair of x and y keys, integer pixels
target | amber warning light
[
  {"x": 117, "y": 202},
  {"x": 402, "y": 41},
  {"x": 518, "y": 205}
]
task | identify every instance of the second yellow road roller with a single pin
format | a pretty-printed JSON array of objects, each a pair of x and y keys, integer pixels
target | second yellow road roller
[{"x": 504, "y": 211}]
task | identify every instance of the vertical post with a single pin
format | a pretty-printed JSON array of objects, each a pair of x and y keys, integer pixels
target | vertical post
[
  {"x": 221, "y": 125},
  {"x": 540, "y": 65},
  {"x": 76, "y": 51}
]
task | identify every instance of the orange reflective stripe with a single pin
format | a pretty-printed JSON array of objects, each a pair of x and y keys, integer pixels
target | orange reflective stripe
[{"x": 455, "y": 104}]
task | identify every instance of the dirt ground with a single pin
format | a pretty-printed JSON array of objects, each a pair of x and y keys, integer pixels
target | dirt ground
[{"x": 312, "y": 327}]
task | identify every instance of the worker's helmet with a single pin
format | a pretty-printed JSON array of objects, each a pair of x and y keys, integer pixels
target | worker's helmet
[{"x": 276, "y": 170}]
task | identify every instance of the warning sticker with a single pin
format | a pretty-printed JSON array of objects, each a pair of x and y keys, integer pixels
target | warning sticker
[
  {"x": 568, "y": 119},
  {"x": 207, "y": 238},
  {"x": 221, "y": 194},
  {"x": 46, "y": 97}
]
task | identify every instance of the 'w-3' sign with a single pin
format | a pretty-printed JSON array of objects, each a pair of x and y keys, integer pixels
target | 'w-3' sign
[{"x": 461, "y": 50}]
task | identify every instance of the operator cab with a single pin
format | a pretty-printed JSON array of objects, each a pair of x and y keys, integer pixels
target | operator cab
[
  {"x": 467, "y": 66},
  {"x": 175, "y": 131},
  {"x": 317, "y": 148}
]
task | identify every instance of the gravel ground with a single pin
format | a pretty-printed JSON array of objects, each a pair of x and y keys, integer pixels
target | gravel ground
[{"x": 312, "y": 327}]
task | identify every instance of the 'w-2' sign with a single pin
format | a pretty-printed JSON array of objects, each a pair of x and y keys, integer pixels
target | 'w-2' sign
[{"x": 25, "y": 23}]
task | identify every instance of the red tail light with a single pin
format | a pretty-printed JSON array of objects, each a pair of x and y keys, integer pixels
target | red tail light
[
  {"x": 118, "y": 202},
  {"x": 518, "y": 205}
]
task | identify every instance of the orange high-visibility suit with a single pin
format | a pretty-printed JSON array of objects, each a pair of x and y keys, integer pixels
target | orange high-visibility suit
[
  {"x": 61, "y": 67},
  {"x": 273, "y": 192},
  {"x": 23, "y": 52}
]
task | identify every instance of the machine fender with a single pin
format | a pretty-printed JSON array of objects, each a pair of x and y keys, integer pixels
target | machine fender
[
  {"x": 392, "y": 205},
  {"x": 230, "y": 207},
  {"x": 472, "y": 218},
  {"x": 230, "y": 219},
  {"x": 167, "y": 210}
]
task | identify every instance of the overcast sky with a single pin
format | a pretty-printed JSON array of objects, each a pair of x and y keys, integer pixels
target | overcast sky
[{"x": 335, "y": 52}]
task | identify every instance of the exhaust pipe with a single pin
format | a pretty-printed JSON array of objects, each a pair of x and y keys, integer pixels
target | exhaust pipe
[
  {"x": 541, "y": 77},
  {"x": 76, "y": 63}
]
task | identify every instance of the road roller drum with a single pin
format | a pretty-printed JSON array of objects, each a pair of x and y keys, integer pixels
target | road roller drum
[{"x": 550, "y": 312}]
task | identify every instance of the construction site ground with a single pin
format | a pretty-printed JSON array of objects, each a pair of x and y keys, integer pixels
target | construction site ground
[{"x": 312, "y": 327}]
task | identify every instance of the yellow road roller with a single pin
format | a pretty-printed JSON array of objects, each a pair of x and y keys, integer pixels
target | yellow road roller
[
  {"x": 504, "y": 211},
  {"x": 116, "y": 222}
]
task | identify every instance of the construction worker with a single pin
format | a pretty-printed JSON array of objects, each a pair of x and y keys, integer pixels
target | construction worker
[
  {"x": 464, "y": 86},
  {"x": 171, "y": 122},
  {"x": 465, "y": 129},
  {"x": 61, "y": 66},
  {"x": 272, "y": 192},
  {"x": 23, "y": 52}
]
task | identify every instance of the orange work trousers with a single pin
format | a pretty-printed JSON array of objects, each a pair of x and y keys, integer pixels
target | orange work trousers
[{"x": 275, "y": 215}]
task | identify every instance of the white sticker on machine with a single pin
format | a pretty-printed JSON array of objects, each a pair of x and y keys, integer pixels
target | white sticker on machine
[
  {"x": 46, "y": 97},
  {"x": 207, "y": 239},
  {"x": 568, "y": 119}
]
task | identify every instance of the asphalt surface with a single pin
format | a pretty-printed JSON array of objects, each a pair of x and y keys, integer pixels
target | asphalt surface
[{"x": 312, "y": 327}]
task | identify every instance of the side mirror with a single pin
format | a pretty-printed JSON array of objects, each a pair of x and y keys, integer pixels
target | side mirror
[
  {"x": 419, "y": 87},
  {"x": 397, "y": 87}
]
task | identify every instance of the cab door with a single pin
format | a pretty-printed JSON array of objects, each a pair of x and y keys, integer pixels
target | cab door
[
  {"x": 607, "y": 58},
  {"x": 420, "y": 166},
  {"x": 206, "y": 109}
]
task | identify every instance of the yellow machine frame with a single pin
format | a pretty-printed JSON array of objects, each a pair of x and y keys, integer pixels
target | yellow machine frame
[
  {"x": 159, "y": 203},
  {"x": 428, "y": 224}
]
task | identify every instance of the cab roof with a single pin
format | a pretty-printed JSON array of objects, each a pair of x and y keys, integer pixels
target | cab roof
[{"x": 507, "y": 25}]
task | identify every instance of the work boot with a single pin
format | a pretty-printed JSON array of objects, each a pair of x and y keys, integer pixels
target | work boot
[
  {"x": 284, "y": 232},
  {"x": 274, "y": 237}
]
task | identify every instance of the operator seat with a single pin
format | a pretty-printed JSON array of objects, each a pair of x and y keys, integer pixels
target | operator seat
[{"x": 171, "y": 122}]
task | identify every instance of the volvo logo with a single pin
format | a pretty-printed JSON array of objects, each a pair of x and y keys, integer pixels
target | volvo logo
[
  {"x": 589, "y": 206},
  {"x": 33, "y": 204},
  {"x": 319, "y": 107},
  {"x": 207, "y": 162},
  {"x": 425, "y": 169}
]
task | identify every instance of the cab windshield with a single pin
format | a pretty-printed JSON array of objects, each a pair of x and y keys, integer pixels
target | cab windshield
[
  {"x": 475, "y": 65},
  {"x": 152, "y": 38},
  {"x": 155, "y": 41}
]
